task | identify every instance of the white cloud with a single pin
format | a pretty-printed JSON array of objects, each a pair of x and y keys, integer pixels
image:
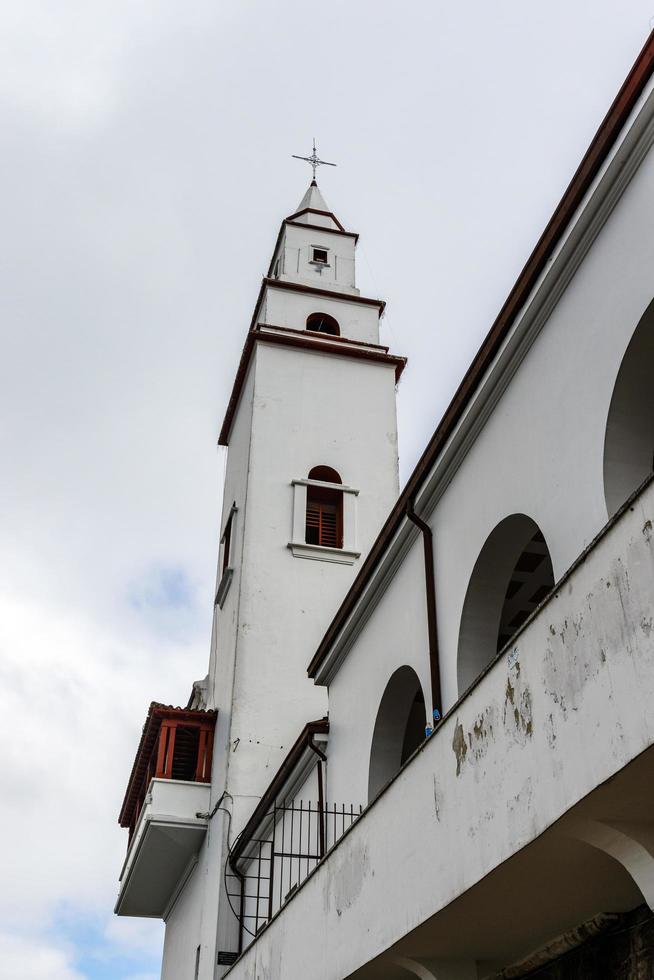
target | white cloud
[
  {"x": 31, "y": 959},
  {"x": 73, "y": 704}
]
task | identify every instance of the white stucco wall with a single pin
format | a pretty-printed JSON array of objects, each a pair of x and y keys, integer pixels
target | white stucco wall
[
  {"x": 539, "y": 453},
  {"x": 388, "y": 642},
  {"x": 567, "y": 708},
  {"x": 295, "y": 250},
  {"x": 286, "y": 308},
  {"x": 286, "y": 602},
  {"x": 541, "y": 450}
]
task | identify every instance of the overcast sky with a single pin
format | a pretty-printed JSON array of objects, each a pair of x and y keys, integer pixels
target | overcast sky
[{"x": 146, "y": 164}]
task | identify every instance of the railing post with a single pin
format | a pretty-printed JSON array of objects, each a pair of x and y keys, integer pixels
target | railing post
[
  {"x": 272, "y": 864},
  {"x": 161, "y": 751},
  {"x": 200, "y": 761},
  {"x": 170, "y": 751}
]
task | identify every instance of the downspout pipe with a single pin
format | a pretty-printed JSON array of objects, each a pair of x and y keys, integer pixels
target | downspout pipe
[
  {"x": 432, "y": 623},
  {"x": 321, "y": 795}
]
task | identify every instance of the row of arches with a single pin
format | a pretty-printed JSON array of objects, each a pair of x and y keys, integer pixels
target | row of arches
[
  {"x": 511, "y": 577},
  {"x": 514, "y": 572}
]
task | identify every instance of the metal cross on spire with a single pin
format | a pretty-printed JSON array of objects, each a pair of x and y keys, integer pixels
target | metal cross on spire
[{"x": 314, "y": 160}]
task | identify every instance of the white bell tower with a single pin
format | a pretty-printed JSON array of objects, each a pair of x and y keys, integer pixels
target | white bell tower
[{"x": 312, "y": 473}]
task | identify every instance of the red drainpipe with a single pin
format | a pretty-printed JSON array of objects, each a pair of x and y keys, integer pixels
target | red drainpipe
[{"x": 432, "y": 624}]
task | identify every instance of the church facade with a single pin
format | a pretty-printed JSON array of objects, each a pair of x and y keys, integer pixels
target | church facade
[{"x": 425, "y": 743}]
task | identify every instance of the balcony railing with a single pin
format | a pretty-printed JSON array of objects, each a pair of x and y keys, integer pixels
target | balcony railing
[{"x": 293, "y": 838}]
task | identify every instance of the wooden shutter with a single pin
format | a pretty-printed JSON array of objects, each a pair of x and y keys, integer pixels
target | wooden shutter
[{"x": 322, "y": 524}]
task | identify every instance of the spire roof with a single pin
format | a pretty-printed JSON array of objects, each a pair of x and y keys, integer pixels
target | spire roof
[
  {"x": 313, "y": 199},
  {"x": 313, "y": 209}
]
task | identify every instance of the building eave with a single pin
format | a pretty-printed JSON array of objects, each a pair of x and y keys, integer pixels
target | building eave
[
  {"x": 301, "y": 339},
  {"x": 299, "y": 287},
  {"x": 326, "y": 214},
  {"x": 580, "y": 186}
]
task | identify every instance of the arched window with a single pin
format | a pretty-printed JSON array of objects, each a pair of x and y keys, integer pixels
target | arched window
[
  {"x": 512, "y": 575},
  {"x": 399, "y": 728},
  {"x": 323, "y": 323},
  {"x": 324, "y": 524},
  {"x": 629, "y": 439}
]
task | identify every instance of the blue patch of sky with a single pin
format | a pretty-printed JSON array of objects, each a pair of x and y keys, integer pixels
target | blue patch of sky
[
  {"x": 166, "y": 600},
  {"x": 98, "y": 958},
  {"x": 162, "y": 587}
]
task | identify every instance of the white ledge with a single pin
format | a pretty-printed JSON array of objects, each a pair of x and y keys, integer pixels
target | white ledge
[
  {"x": 325, "y": 485},
  {"x": 320, "y": 552}
]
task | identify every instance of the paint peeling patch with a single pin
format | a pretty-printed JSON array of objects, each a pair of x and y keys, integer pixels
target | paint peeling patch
[
  {"x": 518, "y": 716},
  {"x": 437, "y": 795},
  {"x": 646, "y": 626},
  {"x": 647, "y": 531},
  {"x": 459, "y": 747},
  {"x": 344, "y": 885},
  {"x": 481, "y": 735},
  {"x": 550, "y": 731}
]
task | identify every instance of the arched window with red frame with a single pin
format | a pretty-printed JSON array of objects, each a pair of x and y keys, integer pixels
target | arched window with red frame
[{"x": 324, "y": 523}]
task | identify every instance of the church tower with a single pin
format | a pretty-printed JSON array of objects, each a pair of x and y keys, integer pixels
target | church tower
[{"x": 312, "y": 473}]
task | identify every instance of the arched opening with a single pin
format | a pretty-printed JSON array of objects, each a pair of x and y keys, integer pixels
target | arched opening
[
  {"x": 324, "y": 521},
  {"x": 629, "y": 439},
  {"x": 323, "y": 323},
  {"x": 512, "y": 575},
  {"x": 399, "y": 727}
]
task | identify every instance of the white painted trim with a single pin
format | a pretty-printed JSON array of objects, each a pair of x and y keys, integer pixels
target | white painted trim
[
  {"x": 223, "y": 587},
  {"x": 186, "y": 874},
  {"x": 320, "y": 553},
  {"x": 323, "y": 483}
]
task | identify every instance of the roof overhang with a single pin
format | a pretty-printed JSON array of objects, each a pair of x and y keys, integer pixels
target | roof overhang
[{"x": 302, "y": 340}]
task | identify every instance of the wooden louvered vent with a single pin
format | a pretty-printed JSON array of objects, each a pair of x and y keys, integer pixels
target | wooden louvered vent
[{"x": 324, "y": 523}]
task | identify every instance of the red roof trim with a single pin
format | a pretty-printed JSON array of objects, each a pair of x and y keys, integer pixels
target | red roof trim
[
  {"x": 327, "y": 214},
  {"x": 299, "y": 287},
  {"x": 330, "y": 231},
  {"x": 328, "y": 336},
  {"x": 581, "y": 182},
  {"x": 307, "y": 341}
]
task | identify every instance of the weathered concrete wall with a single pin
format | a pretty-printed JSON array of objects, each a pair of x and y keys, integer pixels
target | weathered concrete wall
[{"x": 570, "y": 706}]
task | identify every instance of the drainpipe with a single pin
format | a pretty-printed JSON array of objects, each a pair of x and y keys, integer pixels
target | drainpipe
[
  {"x": 432, "y": 626},
  {"x": 321, "y": 794}
]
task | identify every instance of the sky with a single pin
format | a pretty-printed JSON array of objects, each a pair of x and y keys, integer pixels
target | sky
[{"x": 146, "y": 165}]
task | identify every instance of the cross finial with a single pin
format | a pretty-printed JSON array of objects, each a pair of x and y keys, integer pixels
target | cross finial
[{"x": 314, "y": 160}]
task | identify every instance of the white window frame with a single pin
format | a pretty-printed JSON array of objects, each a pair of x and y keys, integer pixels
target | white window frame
[
  {"x": 298, "y": 546},
  {"x": 319, "y": 262},
  {"x": 226, "y": 560}
]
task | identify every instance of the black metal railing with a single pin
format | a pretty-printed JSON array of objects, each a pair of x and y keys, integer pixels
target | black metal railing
[{"x": 294, "y": 837}]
